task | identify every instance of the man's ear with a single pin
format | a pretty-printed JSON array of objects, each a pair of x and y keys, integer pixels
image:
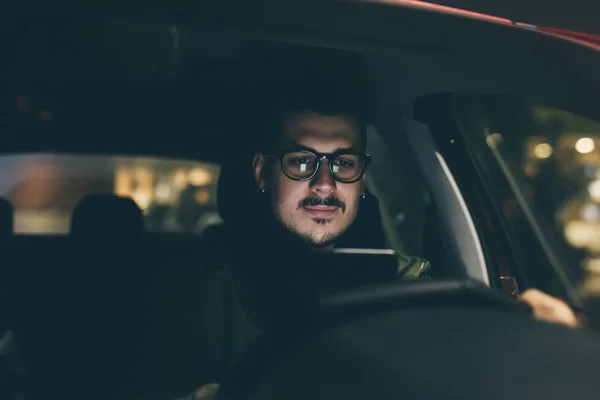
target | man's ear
[{"x": 258, "y": 166}]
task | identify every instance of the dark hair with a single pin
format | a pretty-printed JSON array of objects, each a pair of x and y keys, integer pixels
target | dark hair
[{"x": 287, "y": 79}]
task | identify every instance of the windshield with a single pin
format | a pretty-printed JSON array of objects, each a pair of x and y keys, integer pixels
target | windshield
[
  {"x": 543, "y": 165},
  {"x": 175, "y": 195}
]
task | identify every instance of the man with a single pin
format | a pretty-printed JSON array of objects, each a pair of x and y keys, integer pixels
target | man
[{"x": 307, "y": 187}]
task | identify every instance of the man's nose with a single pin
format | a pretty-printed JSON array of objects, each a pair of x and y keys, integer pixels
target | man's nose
[{"x": 323, "y": 183}]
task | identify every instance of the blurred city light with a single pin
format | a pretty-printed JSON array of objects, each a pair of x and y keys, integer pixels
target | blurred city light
[
  {"x": 202, "y": 197},
  {"x": 180, "y": 179},
  {"x": 585, "y": 145},
  {"x": 123, "y": 178},
  {"x": 199, "y": 177},
  {"x": 592, "y": 265},
  {"x": 583, "y": 234},
  {"x": 543, "y": 150},
  {"x": 494, "y": 140},
  {"x": 142, "y": 199},
  {"x": 590, "y": 212},
  {"x": 594, "y": 190},
  {"x": 163, "y": 193}
]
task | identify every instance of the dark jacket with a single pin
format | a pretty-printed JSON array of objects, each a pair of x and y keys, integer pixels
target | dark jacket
[{"x": 263, "y": 275}]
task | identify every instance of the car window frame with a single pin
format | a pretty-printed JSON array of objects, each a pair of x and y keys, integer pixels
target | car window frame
[{"x": 437, "y": 110}]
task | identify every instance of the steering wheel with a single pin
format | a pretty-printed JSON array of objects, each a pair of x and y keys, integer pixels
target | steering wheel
[{"x": 333, "y": 334}]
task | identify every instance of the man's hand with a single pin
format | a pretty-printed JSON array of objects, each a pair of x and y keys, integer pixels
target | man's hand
[{"x": 549, "y": 309}]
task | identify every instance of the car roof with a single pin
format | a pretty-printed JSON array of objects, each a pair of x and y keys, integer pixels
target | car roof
[
  {"x": 574, "y": 15},
  {"x": 158, "y": 81}
]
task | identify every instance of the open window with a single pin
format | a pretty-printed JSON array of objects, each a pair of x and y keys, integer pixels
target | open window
[{"x": 530, "y": 172}]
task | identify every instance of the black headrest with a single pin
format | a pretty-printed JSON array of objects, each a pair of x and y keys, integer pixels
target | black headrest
[
  {"x": 107, "y": 216},
  {"x": 237, "y": 190},
  {"x": 6, "y": 218}
]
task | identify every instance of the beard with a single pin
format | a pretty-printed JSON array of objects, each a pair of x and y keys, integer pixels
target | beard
[
  {"x": 315, "y": 235},
  {"x": 316, "y": 239}
]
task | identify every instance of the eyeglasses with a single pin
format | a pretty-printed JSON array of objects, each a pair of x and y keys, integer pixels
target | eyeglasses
[{"x": 302, "y": 165}]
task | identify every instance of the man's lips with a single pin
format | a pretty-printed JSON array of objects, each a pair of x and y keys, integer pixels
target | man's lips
[{"x": 321, "y": 211}]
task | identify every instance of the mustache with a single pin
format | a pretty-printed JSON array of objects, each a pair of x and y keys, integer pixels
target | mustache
[{"x": 330, "y": 201}]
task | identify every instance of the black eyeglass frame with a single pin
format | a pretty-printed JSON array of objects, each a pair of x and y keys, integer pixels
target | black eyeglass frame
[{"x": 320, "y": 157}]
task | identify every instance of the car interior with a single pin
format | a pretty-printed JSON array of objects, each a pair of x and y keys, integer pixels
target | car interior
[{"x": 112, "y": 307}]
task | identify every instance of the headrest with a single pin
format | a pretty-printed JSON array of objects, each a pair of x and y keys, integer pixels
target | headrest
[
  {"x": 6, "y": 218},
  {"x": 107, "y": 216},
  {"x": 237, "y": 190}
]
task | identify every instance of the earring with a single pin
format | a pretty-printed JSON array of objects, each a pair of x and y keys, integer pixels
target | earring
[
  {"x": 362, "y": 196},
  {"x": 262, "y": 190}
]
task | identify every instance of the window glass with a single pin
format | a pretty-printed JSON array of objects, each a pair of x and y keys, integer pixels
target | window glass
[
  {"x": 175, "y": 195},
  {"x": 549, "y": 160}
]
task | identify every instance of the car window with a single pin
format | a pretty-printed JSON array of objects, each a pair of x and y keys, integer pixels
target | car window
[
  {"x": 175, "y": 195},
  {"x": 543, "y": 168}
]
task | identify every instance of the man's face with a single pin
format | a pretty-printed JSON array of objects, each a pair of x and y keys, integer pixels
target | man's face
[{"x": 318, "y": 210}]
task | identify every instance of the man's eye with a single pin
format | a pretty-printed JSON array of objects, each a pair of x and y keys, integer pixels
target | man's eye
[
  {"x": 301, "y": 161},
  {"x": 345, "y": 163}
]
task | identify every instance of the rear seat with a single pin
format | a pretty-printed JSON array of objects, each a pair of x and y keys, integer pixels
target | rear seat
[
  {"x": 110, "y": 302},
  {"x": 107, "y": 294},
  {"x": 80, "y": 296}
]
